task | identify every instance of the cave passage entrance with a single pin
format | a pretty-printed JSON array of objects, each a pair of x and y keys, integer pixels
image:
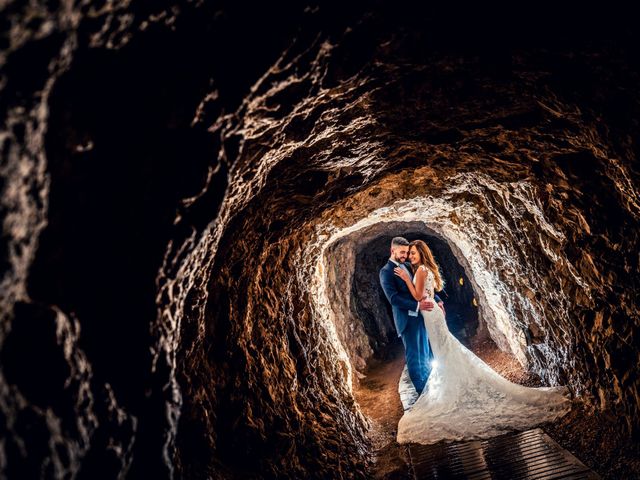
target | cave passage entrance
[
  {"x": 361, "y": 313},
  {"x": 371, "y": 307}
]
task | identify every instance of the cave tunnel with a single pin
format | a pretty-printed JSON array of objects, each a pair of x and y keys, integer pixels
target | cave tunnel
[
  {"x": 362, "y": 310},
  {"x": 197, "y": 199}
]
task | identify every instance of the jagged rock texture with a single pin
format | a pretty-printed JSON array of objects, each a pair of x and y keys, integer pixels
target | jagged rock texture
[{"x": 177, "y": 225}]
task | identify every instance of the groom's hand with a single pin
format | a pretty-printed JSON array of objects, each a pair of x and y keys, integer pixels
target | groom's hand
[{"x": 426, "y": 305}]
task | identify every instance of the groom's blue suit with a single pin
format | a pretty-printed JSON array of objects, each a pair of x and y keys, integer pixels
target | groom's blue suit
[{"x": 409, "y": 325}]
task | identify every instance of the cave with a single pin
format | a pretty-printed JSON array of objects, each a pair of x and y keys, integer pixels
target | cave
[
  {"x": 361, "y": 313},
  {"x": 197, "y": 199}
]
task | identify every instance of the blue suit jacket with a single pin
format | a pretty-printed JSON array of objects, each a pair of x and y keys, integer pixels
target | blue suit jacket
[{"x": 399, "y": 296}]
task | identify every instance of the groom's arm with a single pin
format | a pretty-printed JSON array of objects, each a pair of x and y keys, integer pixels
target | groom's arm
[{"x": 395, "y": 297}]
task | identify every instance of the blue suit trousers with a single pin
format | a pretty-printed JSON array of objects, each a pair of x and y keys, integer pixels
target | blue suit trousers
[{"x": 418, "y": 353}]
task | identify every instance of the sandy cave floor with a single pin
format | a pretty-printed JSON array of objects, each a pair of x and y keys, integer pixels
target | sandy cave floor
[{"x": 592, "y": 436}]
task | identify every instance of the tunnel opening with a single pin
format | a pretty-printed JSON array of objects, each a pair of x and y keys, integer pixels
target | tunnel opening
[
  {"x": 457, "y": 294},
  {"x": 494, "y": 264},
  {"x": 360, "y": 311},
  {"x": 364, "y": 315},
  {"x": 364, "y": 325}
]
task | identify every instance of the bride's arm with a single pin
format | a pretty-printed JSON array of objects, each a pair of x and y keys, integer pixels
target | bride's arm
[{"x": 420, "y": 275}]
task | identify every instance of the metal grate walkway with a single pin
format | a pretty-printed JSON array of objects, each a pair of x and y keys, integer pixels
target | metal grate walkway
[{"x": 526, "y": 455}]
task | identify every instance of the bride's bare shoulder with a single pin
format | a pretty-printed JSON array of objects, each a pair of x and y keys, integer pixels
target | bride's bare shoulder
[{"x": 425, "y": 271}]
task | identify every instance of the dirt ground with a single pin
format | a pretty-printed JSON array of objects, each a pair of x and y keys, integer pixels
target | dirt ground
[{"x": 593, "y": 437}]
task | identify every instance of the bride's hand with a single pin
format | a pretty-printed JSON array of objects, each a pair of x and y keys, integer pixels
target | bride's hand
[{"x": 402, "y": 273}]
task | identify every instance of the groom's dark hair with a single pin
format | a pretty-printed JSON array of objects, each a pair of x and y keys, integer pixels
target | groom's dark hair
[{"x": 399, "y": 242}]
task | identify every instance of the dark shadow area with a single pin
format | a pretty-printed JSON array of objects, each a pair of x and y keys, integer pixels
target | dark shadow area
[
  {"x": 121, "y": 156},
  {"x": 123, "y": 151}
]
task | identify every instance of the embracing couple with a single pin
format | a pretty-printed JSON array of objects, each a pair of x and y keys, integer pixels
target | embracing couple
[
  {"x": 459, "y": 396},
  {"x": 405, "y": 286}
]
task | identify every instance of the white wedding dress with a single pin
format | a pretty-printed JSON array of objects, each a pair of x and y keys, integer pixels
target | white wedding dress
[{"x": 465, "y": 399}]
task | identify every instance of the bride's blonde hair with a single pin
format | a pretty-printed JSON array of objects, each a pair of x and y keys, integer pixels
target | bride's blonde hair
[{"x": 426, "y": 259}]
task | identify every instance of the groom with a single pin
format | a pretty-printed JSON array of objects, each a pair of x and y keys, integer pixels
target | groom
[{"x": 406, "y": 315}]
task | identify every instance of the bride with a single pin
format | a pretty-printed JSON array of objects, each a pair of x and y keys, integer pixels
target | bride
[{"x": 464, "y": 398}]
